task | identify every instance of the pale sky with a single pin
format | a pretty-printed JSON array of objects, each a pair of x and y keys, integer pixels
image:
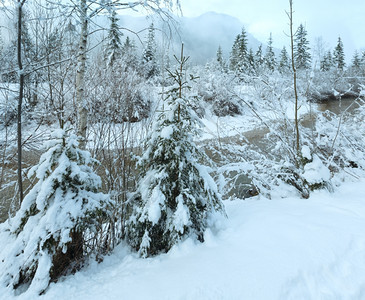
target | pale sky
[{"x": 326, "y": 18}]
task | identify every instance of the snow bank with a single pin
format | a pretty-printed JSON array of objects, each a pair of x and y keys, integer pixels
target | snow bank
[{"x": 279, "y": 249}]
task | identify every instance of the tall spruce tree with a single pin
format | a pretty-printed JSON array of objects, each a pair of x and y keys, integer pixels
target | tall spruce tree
[
  {"x": 270, "y": 60},
  {"x": 302, "y": 55},
  {"x": 339, "y": 55},
  {"x": 149, "y": 54},
  {"x": 234, "y": 57},
  {"x": 175, "y": 195},
  {"x": 242, "y": 64},
  {"x": 113, "y": 48}
]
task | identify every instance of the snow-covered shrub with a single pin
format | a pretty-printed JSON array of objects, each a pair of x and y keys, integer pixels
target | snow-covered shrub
[
  {"x": 271, "y": 159},
  {"x": 331, "y": 85},
  {"x": 340, "y": 140},
  {"x": 118, "y": 94},
  {"x": 212, "y": 86},
  {"x": 48, "y": 236},
  {"x": 8, "y": 105},
  {"x": 176, "y": 196}
]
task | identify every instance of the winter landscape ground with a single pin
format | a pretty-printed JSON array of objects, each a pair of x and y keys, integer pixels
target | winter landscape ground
[{"x": 266, "y": 249}]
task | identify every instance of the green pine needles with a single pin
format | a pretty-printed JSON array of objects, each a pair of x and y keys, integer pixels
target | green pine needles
[{"x": 176, "y": 195}]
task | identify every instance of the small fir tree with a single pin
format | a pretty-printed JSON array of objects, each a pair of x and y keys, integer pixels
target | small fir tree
[
  {"x": 251, "y": 62},
  {"x": 176, "y": 195},
  {"x": 339, "y": 55},
  {"x": 129, "y": 53},
  {"x": 270, "y": 60},
  {"x": 327, "y": 62},
  {"x": 284, "y": 63},
  {"x": 46, "y": 237},
  {"x": 356, "y": 62},
  {"x": 302, "y": 55},
  {"x": 259, "y": 58}
]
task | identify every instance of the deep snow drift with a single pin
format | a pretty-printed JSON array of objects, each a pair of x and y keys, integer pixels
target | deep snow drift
[{"x": 267, "y": 249}]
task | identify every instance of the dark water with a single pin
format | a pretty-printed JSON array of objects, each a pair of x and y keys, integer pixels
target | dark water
[{"x": 339, "y": 106}]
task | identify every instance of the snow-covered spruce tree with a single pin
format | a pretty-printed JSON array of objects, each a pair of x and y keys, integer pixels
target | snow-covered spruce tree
[
  {"x": 259, "y": 59},
  {"x": 356, "y": 63},
  {"x": 302, "y": 55},
  {"x": 149, "y": 54},
  {"x": 327, "y": 62},
  {"x": 284, "y": 63},
  {"x": 46, "y": 238},
  {"x": 113, "y": 48},
  {"x": 176, "y": 196},
  {"x": 339, "y": 55},
  {"x": 220, "y": 59},
  {"x": 270, "y": 60},
  {"x": 234, "y": 55}
]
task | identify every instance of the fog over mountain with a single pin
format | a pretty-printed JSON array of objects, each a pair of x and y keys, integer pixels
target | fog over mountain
[{"x": 201, "y": 35}]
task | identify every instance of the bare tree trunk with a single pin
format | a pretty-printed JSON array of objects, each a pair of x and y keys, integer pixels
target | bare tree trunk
[
  {"x": 20, "y": 97},
  {"x": 80, "y": 76},
  {"x": 290, "y": 15}
]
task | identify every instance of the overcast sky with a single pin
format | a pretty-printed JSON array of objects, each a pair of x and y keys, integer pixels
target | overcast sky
[{"x": 326, "y": 18}]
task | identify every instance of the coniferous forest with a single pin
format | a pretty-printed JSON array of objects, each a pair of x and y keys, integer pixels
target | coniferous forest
[{"x": 123, "y": 156}]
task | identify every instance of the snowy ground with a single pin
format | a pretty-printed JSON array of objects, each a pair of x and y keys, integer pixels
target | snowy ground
[{"x": 267, "y": 249}]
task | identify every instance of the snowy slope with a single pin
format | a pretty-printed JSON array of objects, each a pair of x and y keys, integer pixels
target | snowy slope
[{"x": 267, "y": 249}]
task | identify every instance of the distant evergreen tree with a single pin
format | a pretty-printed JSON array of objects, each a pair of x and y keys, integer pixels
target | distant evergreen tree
[
  {"x": 129, "y": 53},
  {"x": 362, "y": 63},
  {"x": 113, "y": 48},
  {"x": 176, "y": 194},
  {"x": 251, "y": 62},
  {"x": 238, "y": 59},
  {"x": 242, "y": 52},
  {"x": 284, "y": 63},
  {"x": 149, "y": 54},
  {"x": 28, "y": 43},
  {"x": 363, "y": 59},
  {"x": 234, "y": 57},
  {"x": 70, "y": 39},
  {"x": 259, "y": 58},
  {"x": 220, "y": 60},
  {"x": 339, "y": 55},
  {"x": 270, "y": 60},
  {"x": 356, "y": 62},
  {"x": 302, "y": 55},
  {"x": 327, "y": 62}
]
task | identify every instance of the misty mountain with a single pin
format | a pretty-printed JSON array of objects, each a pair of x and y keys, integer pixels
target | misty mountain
[{"x": 201, "y": 35}]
